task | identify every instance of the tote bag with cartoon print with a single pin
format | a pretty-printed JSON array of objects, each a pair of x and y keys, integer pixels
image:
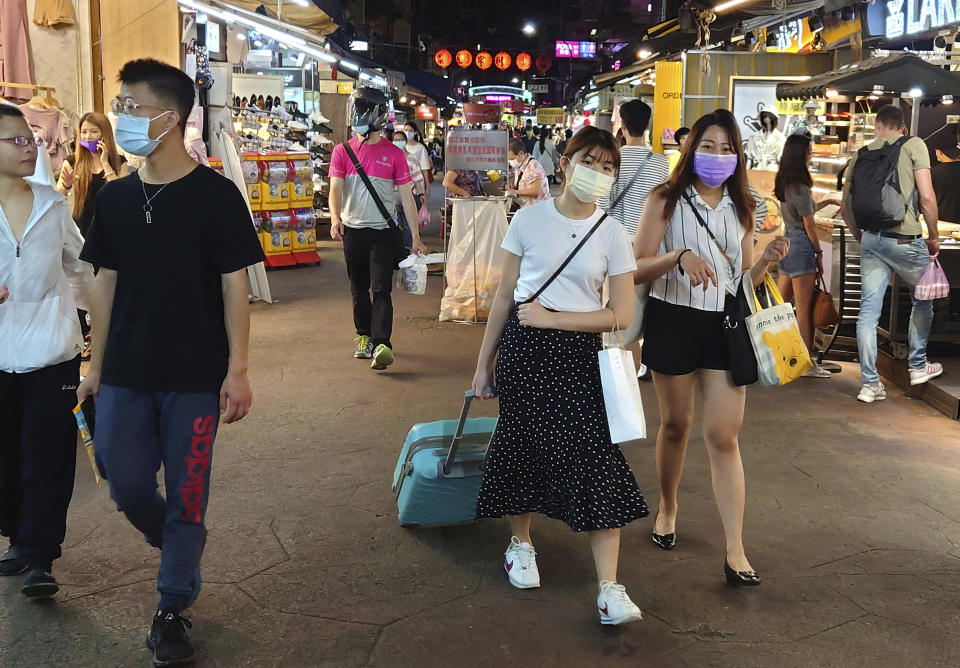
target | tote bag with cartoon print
[{"x": 781, "y": 354}]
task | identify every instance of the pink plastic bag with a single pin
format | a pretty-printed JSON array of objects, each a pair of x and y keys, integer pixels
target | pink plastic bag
[
  {"x": 933, "y": 284},
  {"x": 423, "y": 216}
]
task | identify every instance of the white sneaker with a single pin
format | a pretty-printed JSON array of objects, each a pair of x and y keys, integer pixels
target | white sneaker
[
  {"x": 322, "y": 139},
  {"x": 317, "y": 117},
  {"x": 923, "y": 374},
  {"x": 520, "y": 563},
  {"x": 615, "y": 606},
  {"x": 870, "y": 393},
  {"x": 817, "y": 371}
]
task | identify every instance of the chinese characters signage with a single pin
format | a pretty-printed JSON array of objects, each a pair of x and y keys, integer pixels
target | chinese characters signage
[
  {"x": 479, "y": 150},
  {"x": 550, "y": 116},
  {"x": 909, "y": 17},
  {"x": 564, "y": 49},
  {"x": 481, "y": 113}
]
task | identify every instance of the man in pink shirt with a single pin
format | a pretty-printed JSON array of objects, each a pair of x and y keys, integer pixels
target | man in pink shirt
[{"x": 368, "y": 244}]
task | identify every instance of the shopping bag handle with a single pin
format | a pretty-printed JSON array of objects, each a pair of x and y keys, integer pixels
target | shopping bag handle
[{"x": 774, "y": 298}]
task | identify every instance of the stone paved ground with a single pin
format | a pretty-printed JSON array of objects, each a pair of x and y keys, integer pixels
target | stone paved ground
[{"x": 853, "y": 519}]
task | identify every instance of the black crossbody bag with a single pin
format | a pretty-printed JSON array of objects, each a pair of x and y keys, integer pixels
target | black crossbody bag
[
  {"x": 743, "y": 361},
  {"x": 400, "y": 250}
]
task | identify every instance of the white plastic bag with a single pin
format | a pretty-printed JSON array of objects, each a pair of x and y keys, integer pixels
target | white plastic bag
[
  {"x": 412, "y": 275},
  {"x": 621, "y": 395}
]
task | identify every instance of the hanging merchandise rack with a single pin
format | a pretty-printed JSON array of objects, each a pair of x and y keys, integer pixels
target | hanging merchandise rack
[{"x": 47, "y": 90}]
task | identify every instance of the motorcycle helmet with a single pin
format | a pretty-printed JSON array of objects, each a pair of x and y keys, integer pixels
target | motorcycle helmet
[{"x": 368, "y": 111}]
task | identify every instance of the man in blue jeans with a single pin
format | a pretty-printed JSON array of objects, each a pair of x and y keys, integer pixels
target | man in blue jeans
[
  {"x": 900, "y": 250},
  {"x": 171, "y": 325}
]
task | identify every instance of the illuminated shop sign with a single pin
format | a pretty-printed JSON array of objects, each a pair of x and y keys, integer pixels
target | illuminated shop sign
[
  {"x": 567, "y": 49},
  {"x": 909, "y": 17},
  {"x": 497, "y": 98}
]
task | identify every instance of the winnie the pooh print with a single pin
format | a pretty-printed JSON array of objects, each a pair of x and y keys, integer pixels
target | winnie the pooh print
[{"x": 789, "y": 353}]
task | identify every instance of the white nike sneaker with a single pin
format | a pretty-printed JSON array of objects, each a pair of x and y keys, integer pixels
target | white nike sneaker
[
  {"x": 870, "y": 393},
  {"x": 520, "y": 563},
  {"x": 925, "y": 373},
  {"x": 615, "y": 606}
]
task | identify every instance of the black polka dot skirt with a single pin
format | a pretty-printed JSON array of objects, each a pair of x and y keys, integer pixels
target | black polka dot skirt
[{"x": 551, "y": 452}]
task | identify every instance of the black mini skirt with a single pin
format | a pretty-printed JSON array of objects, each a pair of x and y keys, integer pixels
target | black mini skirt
[{"x": 679, "y": 340}]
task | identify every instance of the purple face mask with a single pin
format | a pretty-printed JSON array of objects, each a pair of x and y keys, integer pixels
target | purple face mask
[
  {"x": 90, "y": 144},
  {"x": 714, "y": 169}
]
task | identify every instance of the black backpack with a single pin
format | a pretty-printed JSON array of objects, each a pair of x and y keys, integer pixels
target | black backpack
[{"x": 878, "y": 203}]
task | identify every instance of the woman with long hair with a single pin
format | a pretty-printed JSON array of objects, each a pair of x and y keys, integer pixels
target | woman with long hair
[
  {"x": 545, "y": 152},
  {"x": 691, "y": 270},
  {"x": 94, "y": 162},
  {"x": 551, "y": 452},
  {"x": 800, "y": 268},
  {"x": 415, "y": 147}
]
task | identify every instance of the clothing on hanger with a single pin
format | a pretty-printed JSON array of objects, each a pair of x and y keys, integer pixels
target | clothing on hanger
[
  {"x": 14, "y": 50},
  {"x": 49, "y": 123},
  {"x": 53, "y": 13}
]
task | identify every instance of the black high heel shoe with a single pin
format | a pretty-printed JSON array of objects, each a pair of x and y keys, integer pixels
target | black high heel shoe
[
  {"x": 666, "y": 541},
  {"x": 740, "y": 578}
]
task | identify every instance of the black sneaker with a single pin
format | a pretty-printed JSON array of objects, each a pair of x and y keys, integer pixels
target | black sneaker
[
  {"x": 39, "y": 583},
  {"x": 11, "y": 563},
  {"x": 168, "y": 639}
]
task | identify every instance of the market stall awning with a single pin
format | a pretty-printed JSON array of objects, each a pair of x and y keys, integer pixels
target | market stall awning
[
  {"x": 897, "y": 73},
  {"x": 311, "y": 18}
]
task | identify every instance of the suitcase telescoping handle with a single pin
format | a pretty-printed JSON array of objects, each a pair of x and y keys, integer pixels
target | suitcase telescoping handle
[{"x": 468, "y": 397}]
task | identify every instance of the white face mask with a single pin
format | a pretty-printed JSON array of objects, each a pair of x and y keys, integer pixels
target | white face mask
[
  {"x": 514, "y": 163},
  {"x": 588, "y": 185}
]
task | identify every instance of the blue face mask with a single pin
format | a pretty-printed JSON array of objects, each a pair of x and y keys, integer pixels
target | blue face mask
[
  {"x": 400, "y": 144},
  {"x": 133, "y": 134},
  {"x": 361, "y": 129}
]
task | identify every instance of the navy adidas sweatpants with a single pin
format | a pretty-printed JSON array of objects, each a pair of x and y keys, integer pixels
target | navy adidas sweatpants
[{"x": 136, "y": 432}]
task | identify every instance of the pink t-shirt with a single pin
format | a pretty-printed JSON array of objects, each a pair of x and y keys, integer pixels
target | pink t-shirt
[
  {"x": 385, "y": 165},
  {"x": 532, "y": 175}
]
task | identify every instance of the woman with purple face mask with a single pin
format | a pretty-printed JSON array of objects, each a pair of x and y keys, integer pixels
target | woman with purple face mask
[{"x": 685, "y": 347}]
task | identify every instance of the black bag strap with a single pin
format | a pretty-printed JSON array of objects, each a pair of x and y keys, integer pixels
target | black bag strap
[
  {"x": 576, "y": 250},
  {"x": 712, "y": 236},
  {"x": 366, "y": 181}
]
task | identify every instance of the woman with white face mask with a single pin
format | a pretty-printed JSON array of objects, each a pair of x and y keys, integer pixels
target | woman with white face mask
[
  {"x": 684, "y": 345},
  {"x": 529, "y": 181},
  {"x": 551, "y": 452}
]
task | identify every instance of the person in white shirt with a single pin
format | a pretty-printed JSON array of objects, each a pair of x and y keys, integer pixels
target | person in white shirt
[
  {"x": 766, "y": 144},
  {"x": 421, "y": 156},
  {"x": 684, "y": 345},
  {"x": 42, "y": 281},
  {"x": 545, "y": 152},
  {"x": 551, "y": 452}
]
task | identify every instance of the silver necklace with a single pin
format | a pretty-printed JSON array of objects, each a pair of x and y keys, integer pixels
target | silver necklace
[{"x": 148, "y": 207}]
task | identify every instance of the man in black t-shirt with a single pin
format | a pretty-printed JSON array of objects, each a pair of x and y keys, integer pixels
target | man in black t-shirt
[
  {"x": 946, "y": 177},
  {"x": 172, "y": 242}
]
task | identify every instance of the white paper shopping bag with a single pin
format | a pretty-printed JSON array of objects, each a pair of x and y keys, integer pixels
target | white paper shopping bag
[{"x": 621, "y": 395}]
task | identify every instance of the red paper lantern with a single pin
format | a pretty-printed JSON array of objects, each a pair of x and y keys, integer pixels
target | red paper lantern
[
  {"x": 502, "y": 60},
  {"x": 443, "y": 58},
  {"x": 484, "y": 60},
  {"x": 464, "y": 58},
  {"x": 544, "y": 62},
  {"x": 524, "y": 61}
]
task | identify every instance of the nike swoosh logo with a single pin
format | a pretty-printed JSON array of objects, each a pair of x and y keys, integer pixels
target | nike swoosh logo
[
  {"x": 508, "y": 565},
  {"x": 603, "y": 610}
]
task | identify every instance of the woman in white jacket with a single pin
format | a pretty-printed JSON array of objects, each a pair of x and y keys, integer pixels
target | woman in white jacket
[
  {"x": 42, "y": 281},
  {"x": 545, "y": 152}
]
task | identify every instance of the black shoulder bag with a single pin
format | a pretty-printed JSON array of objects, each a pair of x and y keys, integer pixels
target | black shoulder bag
[
  {"x": 743, "y": 361},
  {"x": 400, "y": 250},
  {"x": 580, "y": 245}
]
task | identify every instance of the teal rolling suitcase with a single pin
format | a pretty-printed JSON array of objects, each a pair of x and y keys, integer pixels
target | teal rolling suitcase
[{"x": 438, "y": 475}]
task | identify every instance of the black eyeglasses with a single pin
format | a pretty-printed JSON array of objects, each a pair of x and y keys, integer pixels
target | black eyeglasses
[{"x": 24, "y": 141}]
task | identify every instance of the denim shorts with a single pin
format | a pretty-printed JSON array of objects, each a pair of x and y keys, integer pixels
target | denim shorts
[{"x": 801, "y": 259}]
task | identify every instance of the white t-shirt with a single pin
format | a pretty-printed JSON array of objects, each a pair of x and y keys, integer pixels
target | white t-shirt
[
  {"x": 422, "y": 158},
  {"x": 543, "y": 238}
]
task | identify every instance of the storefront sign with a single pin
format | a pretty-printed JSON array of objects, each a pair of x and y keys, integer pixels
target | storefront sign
[
  {"x": 792, "y": 36},
  {"x": 539, "y": 88},
  {"x": 479, "y": 150},
  {"x": 427, "y": 113},
  {"x": 481, "y": 113},
  {"x": 345, "y": 87},
  {"x": 497, "y": 98},
  {"x": 515, "y": 106},
  {"x": 667, "y": 103},
  {"x": 550, "y": 116},
  {"x": 915, "y": 16},
  {"x": 567, "y": 49}
]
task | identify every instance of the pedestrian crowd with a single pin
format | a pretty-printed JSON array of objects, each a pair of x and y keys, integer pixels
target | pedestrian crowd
[{"x": 625, "y": 218}]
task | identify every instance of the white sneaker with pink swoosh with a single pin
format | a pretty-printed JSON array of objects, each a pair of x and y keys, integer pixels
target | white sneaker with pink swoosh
[{"x": 520, "y": 563}]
